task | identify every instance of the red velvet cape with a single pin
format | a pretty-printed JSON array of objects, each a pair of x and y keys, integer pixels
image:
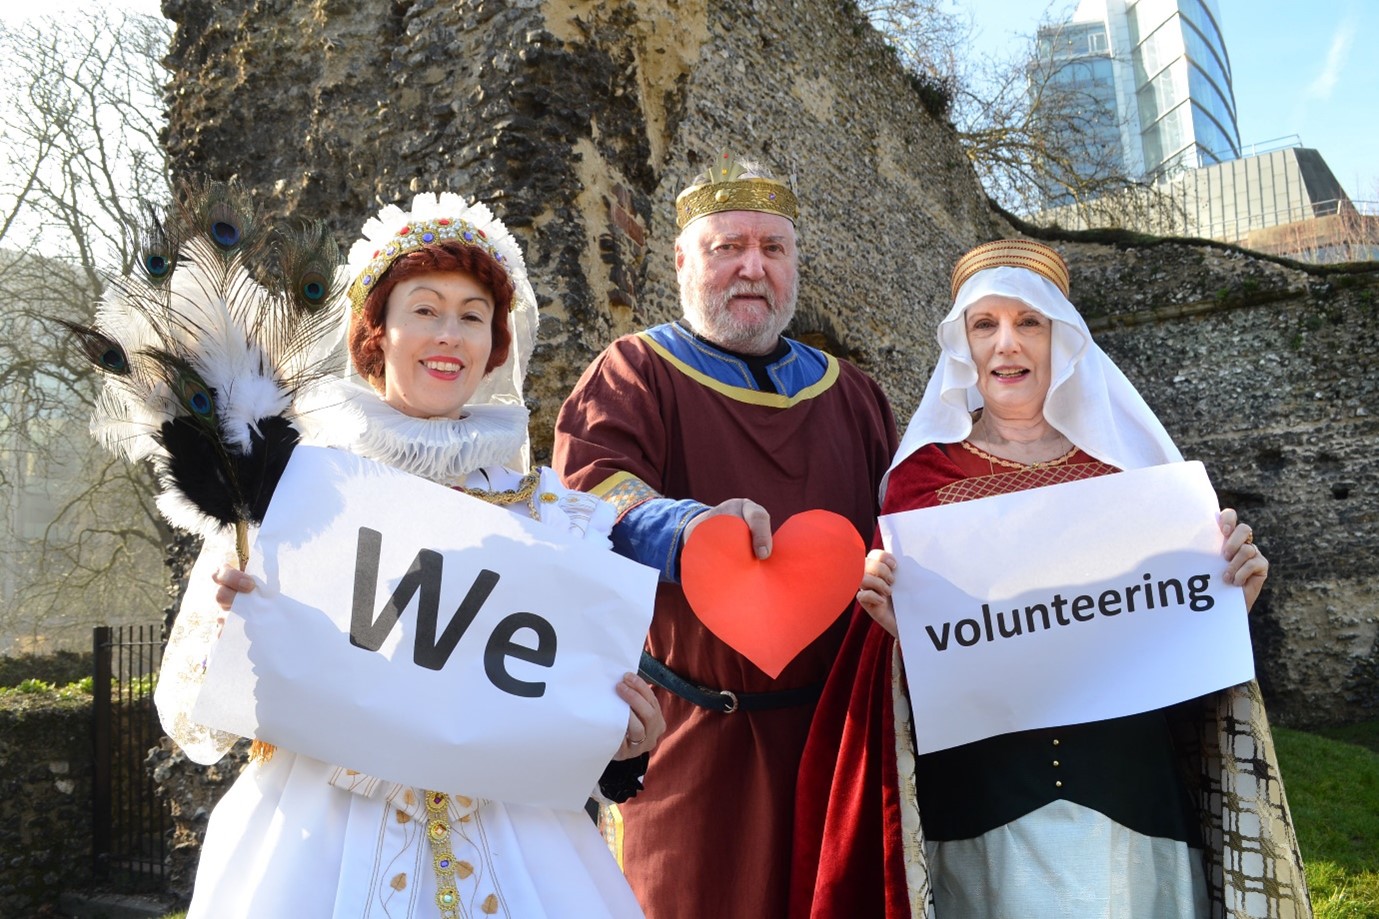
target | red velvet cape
[{"x": 848, "y": 856}]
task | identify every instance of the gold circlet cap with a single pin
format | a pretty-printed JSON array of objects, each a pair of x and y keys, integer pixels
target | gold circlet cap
[
  {"x": 722, "y": 189},
  {"x": 1012, "y": 253}
]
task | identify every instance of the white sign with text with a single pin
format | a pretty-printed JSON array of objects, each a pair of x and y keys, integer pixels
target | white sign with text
[
  {"x": 419, "y": 635},
  {"x": 1066, "y": 604}
]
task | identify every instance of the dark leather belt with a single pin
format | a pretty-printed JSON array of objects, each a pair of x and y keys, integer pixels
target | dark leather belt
[{"x": 724, "y": 700}]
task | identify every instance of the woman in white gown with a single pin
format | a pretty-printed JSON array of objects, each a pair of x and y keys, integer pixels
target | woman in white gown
[{"x": 441, "y": 321}]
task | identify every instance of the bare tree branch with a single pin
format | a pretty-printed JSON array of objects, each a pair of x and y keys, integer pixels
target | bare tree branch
[
  {"x": 82, "y": 100},
  {"x": 1035, "y": 133}
]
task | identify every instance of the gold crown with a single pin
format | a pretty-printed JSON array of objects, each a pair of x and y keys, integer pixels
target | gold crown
[
  {"x": 721, "y": 189},
  {"x": 1012, "y": 253}
]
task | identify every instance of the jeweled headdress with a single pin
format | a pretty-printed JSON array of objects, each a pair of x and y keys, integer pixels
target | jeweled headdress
[
  {"x": 722, "y": 188},
  {"x": 433, "y": 219},
  {"x": 1012, "y": 253}
]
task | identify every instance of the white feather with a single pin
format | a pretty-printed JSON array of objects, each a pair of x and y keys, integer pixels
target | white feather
[{"x": 183, "y": 515}]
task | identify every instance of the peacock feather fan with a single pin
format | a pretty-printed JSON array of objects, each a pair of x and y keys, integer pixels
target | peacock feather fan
[{"x": 205, "y": 347}]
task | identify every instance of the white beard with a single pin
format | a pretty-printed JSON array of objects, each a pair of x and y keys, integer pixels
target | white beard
[{"x": 708, "y": 314}]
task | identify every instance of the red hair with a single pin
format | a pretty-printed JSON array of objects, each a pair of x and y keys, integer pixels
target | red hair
[{"x": 368, "y": 325}]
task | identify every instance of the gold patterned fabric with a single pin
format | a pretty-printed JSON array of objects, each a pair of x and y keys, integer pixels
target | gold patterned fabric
[
  {"x": 1254, "y": 865},
  {"x": 624, "y": 491},
  {"x": 464, "y": 885},
  {"x": 1006, "y": 481},
  {"x": 1012, "y": 253},
  {"x": 920, "y": 894}
]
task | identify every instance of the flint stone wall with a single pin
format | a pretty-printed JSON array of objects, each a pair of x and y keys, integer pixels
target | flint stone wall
[
  {"x": 1270, "y": 376},
  {"x": 578, "y": 121},
  {"x": 45, "y": 800}
]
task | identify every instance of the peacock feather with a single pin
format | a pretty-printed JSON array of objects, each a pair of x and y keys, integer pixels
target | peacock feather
[{"x": 206, "y": 346}]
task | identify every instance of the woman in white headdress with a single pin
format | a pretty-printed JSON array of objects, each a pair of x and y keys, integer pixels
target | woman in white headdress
[
  {"x": 1172, "y": 814},
  {"x": 441, "y": 324}
]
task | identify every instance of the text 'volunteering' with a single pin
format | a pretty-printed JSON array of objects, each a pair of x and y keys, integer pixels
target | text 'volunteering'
[{"x": 1082, "y": 608}]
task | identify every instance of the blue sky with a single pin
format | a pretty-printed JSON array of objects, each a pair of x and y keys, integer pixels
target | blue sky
[{"x": 1299, "y": 67}]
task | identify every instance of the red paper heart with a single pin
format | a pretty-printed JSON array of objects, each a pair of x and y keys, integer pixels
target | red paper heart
[{"x": 770, "y": 610}]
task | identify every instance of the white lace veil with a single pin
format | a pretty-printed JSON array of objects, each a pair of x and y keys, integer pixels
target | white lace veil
[{"x": 498, "y": 401}]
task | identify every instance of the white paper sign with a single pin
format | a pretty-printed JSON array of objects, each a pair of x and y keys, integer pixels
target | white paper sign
[
  {"x": 1066, "y": 604},
  {"x": 483, "y": 660}
]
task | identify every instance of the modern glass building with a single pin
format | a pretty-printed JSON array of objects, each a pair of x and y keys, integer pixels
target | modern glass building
[
  {"x": 1148, "y": 86},
  {"x": 1075, "y": 73},
  {"x": 1162, "y": 74}
]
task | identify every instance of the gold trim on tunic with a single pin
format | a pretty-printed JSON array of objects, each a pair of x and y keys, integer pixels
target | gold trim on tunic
[
  {"x": 1017, "y": 477},
  {"x": 624, "y": 491},
  {"x": 742, "y": 394}
]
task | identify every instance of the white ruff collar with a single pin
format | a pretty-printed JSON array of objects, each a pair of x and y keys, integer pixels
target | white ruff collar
[{"x": 444, "y": 450}]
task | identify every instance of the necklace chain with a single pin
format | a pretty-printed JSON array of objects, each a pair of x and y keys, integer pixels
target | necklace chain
[
  {"x": 525, "y": 491},
  {"x": 979, "y": 421}
]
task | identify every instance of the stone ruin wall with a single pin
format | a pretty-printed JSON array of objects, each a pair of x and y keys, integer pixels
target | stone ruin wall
[
  {"x": 1270, "y": 376},
  {"x": 578, "y": 120}
]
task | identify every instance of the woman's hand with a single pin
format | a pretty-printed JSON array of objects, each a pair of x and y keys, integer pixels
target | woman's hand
[
  {"x": 233, "y": 582},
  {"x": 875, "y": 593},
  {"x": 645, "y": 723},
  {"x": 1246, "y": 565}
]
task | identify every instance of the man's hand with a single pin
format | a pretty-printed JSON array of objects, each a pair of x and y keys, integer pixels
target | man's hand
[{"x": 757, "y": 519}]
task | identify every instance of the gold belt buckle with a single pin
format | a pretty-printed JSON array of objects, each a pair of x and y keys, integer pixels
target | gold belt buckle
[{"x": 732, "y": 700}]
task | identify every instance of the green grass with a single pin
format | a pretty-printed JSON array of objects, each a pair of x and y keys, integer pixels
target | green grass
[
  {"x": 1364, "y": 735},
  {"x": 36, "y": 687},
  {"x": 1332, "y": 784}
]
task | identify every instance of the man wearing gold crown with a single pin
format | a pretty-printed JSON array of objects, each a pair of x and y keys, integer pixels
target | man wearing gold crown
[{"x": 718, "y": 413}]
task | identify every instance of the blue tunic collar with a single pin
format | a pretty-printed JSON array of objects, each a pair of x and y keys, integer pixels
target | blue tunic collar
[{"x": 800, "y": 367}]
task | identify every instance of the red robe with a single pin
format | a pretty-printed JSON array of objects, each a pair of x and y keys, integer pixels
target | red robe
[
  {"x": 848, "y": 857},
  {"x": 710, "y": 833}
]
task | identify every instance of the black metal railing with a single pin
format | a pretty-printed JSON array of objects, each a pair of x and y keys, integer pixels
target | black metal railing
[{"x": 131, "y": 824}]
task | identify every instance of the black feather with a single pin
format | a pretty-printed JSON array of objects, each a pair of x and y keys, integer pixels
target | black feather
[
  {"x": 233, "y": 319},
  {"x": 196, "y": 466},
  {"x": 226, "y": 488},
  {"x": 262, "y": 467}
]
